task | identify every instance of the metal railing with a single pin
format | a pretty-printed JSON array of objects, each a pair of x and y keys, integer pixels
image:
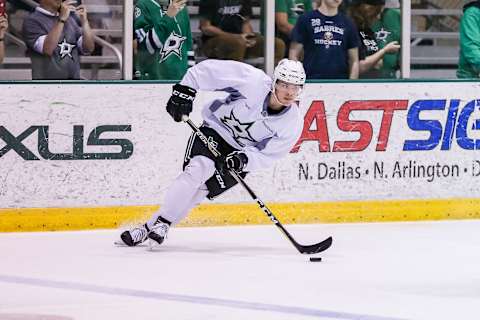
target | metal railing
[{"x": 435, "y": 54}]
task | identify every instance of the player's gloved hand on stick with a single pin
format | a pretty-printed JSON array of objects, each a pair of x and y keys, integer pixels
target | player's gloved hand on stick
[
  {"x": 181, "y": 101},
  {"x": 233, "y": 161}
]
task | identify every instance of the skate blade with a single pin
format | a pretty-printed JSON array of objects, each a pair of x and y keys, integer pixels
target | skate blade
[{"x": 120, "y": 243}]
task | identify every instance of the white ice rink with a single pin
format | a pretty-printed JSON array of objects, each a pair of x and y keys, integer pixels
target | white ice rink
[{"x": 421, "y": 271}]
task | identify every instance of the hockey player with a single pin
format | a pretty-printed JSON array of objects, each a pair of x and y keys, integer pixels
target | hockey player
[
  {"x": 256, "y": 124},
  {"x": 162, "y": 31}
]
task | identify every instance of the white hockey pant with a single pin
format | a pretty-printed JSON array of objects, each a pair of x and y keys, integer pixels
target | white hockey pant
[{"x": 186, "y": 191}]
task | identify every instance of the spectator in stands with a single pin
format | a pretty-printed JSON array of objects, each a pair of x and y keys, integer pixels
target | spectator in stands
[
  {"x": 228, "y": 34},
  {"x": 3, "y": 30},
  {"x": 364, "y": 13},
  {"x": 469, "y": 60},
  {"x": 286, "y": 15},
  {"x": 56, "y": 33},
  {"x": 330, "y": 43},
  {"x": 164, "y": 37},
  {"x": 387, "y": 29}
]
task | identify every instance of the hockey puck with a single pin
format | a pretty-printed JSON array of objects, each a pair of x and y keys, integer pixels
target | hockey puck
[{"x": 315, "y": 259}]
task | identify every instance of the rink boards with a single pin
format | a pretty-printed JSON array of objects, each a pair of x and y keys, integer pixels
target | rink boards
[{"x": 84, "y": 155}]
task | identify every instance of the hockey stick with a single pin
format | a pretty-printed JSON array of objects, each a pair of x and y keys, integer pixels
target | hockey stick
[{"x": 305, "y": 249}]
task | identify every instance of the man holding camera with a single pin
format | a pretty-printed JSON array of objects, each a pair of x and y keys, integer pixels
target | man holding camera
[{"x": 56, "y": 34}]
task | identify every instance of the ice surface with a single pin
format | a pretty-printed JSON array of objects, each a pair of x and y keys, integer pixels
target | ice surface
[{"x": 422, "y": 271}]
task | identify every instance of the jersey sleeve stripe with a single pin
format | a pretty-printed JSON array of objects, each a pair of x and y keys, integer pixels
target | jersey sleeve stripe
[
  {"x": 140, "y": 33},
  {"x": 191, "y": 58},
  {"x": 149, "y": 43},
  {"x": 156, "y": 40}
]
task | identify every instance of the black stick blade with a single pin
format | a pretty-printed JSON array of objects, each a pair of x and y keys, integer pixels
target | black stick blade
[{"x": 315, "y": 248}]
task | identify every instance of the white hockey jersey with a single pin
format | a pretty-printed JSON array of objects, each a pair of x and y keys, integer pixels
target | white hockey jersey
[{"x": 241, "y": 118}]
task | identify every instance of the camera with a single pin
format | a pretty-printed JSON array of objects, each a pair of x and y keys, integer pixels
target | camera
[{"x": 79, "y": 2}]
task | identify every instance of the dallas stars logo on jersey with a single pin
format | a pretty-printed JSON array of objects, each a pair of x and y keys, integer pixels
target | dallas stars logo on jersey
[
  {"x": 173, "y": 45},
  {"x": 238, "y": 129},
  {"x": 382, "y": 34}
]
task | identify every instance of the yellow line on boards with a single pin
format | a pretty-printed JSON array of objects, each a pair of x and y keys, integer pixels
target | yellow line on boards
[{"x": 52, "y": 219}]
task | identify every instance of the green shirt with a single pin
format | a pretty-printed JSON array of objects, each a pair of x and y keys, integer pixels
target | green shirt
[
  {"x": 293, "y": 9},
  {"x": 164, "y": 43},
  {"x": 469, "y": 60},
  {"x": 388, "y": 29}
]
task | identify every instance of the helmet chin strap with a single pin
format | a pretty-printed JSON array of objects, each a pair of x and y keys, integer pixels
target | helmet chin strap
[{"x": 275, "y": 95}]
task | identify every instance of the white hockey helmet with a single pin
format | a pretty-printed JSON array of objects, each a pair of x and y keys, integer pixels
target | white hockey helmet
[{"x": 289, "y": 71}]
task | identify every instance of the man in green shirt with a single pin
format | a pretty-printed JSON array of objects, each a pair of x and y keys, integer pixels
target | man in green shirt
[
  {"x": 469, "y": 60},
  {"x": 286, "y": 15},
  {"x": 164, "y": 39},
  {"x": 387, "y": 29}
]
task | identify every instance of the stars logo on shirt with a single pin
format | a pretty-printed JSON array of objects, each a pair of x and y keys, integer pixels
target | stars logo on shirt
[
  {"x": 173, "y": 45},
  {"x": 137, "y": 12},
  {"x": 298, "y": 9},
  {"x": 382, "y": 35},
  {"x": 66, "y": 49},
  {"x": 238, "y": 129}
]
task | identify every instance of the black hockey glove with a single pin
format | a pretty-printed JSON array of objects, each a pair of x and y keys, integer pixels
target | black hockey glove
[
  {"x": 181, "y": 101},
  {"x": 233, "y": 161}
]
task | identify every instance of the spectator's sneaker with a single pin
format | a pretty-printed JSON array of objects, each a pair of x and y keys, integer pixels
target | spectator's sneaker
[{"x": 135, "y": 236}]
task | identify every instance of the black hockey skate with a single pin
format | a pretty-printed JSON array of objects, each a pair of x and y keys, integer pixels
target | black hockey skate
[
  {"x": 135, "y": 236},
  {"x": 158, "y": 233}
]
